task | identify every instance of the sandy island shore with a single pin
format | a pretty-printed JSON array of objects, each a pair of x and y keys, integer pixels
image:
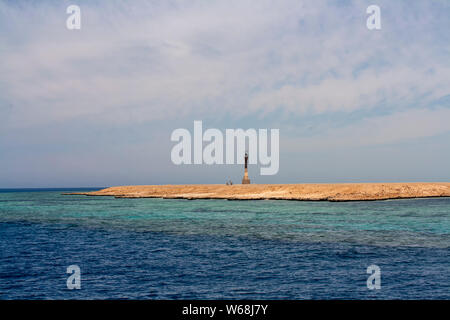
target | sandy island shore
[{"x": 314, "y": 192}]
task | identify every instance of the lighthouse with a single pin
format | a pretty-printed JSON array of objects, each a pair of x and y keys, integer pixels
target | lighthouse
[{"x": 246, "y": 180}]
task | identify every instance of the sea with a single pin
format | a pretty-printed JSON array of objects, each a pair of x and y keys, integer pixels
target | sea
[{"x": 220, "y": 249}]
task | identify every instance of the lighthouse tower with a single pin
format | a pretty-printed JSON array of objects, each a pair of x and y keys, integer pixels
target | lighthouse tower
[{"x": 246, "y": 180}]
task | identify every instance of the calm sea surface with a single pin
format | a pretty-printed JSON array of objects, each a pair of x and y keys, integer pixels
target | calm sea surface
[{"x": 218, "y": 249}]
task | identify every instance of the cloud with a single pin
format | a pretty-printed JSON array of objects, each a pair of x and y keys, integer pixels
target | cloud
[
  {"x": 235, "y": 58},
  {"x": 400, "y": 87},
  {"x": 382, "y": 130}
]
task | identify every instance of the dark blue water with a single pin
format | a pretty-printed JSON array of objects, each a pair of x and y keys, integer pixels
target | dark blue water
[{"x": 215, "y": 249}]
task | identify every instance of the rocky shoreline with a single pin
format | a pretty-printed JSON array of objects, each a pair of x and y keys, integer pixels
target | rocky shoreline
[{"x": 299, "y": 192}]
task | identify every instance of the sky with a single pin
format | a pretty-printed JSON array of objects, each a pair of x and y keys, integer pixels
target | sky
[{"x": 97, "y": 106}]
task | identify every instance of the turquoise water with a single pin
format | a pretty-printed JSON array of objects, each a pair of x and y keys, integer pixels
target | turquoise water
[
  {"x": 417, "y": 222},
  {"x": 285, "y": 249}
]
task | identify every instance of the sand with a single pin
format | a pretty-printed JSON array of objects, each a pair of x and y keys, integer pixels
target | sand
[{"x": 310, "y": 192}]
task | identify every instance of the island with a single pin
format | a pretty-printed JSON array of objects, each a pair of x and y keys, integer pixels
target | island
[{"x": 301, "y": 192}]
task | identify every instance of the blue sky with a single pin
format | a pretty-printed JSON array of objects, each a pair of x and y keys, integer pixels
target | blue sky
[{"x": 96, "y": 106}]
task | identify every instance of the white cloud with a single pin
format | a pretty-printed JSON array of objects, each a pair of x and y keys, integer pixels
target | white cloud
[
  {"x": 218, "y": 57},
  {"x": 382, "y": 130},
  {"x": 400, "y": 87}
]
